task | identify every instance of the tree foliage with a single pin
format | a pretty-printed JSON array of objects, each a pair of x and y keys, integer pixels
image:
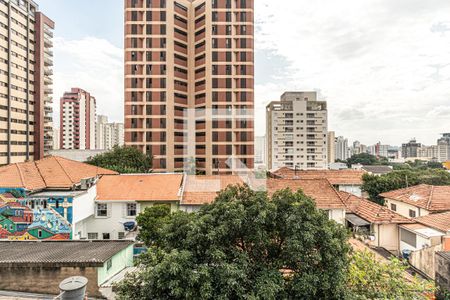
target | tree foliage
[
  {"x": 123, "y": 160},
  {"x": 371, "y": 279},
  {"x": 366, "y": 159},
  {"x": 375, "y": 185},
  {"x": 243, "y": 246}
]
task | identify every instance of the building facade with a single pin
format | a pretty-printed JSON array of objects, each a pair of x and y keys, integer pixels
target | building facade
[
  {"x": 108, "y": 134},
  {"x": 260, "y": 150},
  {"x": 410, "y": 149},
  {"x": 26, "y": 61},
  {"x": 77, "y": 120},
  {"x": 342, "y": 149},
  {"x": 331, "y": 150},
  {"x": 189, "y": 83},
  {"x": 297, "y": 130}
]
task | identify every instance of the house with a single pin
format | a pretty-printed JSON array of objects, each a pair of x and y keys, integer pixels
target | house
[
  {"x": 201, "y": 190},
  {"x": 47, "y": 197},
  {"x": 420, "y": 241},
  {"x": 320, "y": 190},
  {"x": 121, "y": 198},
  {"x": 419, "y": 200},
  {"x": 343, "y": 180},
  {"x": 442, "y": 275},
  {"x": 39, "y": 266},
  {"x": 377, "y": 170},
  {"x": 377, "y": 221}
]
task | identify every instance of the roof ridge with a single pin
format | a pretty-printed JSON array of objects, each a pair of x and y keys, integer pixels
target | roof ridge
[
  {"x": 70, "y": 178},
  {"x": 40, "y": 174},
  {"x": 430, "y": 197},
  {"x": 336, "y": 192},
  {"x": 22, "y": 179}
]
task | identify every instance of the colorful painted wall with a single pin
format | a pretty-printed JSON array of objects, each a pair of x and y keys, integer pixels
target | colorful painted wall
[{"x": 25, "y": 217}]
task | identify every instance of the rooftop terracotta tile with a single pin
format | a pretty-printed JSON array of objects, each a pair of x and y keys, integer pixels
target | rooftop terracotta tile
[
  {"x": 370, "y": 211},
  {"x": 335, "y": 177},
  {"x": 439, "y": 221},
  {"x": 148, "y": 187},
  {"x": 200, "y": 190},
  {"x": 51, "y": 172},
  {"x": 429, "y": 197},
  {"x": 321, "y": 190}
]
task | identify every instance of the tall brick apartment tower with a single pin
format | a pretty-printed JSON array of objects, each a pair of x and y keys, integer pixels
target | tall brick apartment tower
[
  {"x": 189, "y": 83},
  {"x": 77, "y": 120},
  {"x": 26, "y": 61}
]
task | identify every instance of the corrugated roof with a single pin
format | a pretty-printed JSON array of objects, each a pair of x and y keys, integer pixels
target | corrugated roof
[
  {"x": 148, "y": 187},
  {"x": 378, "y": 169},
  {"x": 370, "y": 211},
  {"x": 60, "y": 253},
  {"x": 321, "y": 190},
  {"x": 440, "y": 221},
  {"x": 200, "y": 190},
  {"x": 50, "y": 172},
  {"x": 429, "y": 197},
  {"x": 444, "y": 254},
  {"x": 335, "y": 177}
]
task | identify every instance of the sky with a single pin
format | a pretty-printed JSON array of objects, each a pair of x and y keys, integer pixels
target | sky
[{"x": 382, "y": 65}]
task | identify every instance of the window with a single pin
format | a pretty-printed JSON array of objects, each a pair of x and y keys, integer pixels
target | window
[
  {"x": 131, "y": 209},
  {"x": 39, "y": 233},
  {"x": 412, "y": 213},
  {"x": 109, "y": 264},
  {"x": 393, "y": 207},
  {"x": 92, "y": 236},
  {"x": 121, "y": 235},
  {"x": 408, "y": 237},
  {"x": 102, "y": 210},
  {"x": 106, "y": 236}
]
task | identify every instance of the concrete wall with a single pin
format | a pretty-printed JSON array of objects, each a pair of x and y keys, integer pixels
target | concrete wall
[
  {"x": 386, "y": 236},
  {"x": 45, "y": 280},
  {"x": 83, "y": 207},
  {"x": 442, "y": 274},
  {"x": 424, "y": 260},
  {"x": 337, "y": 215}
]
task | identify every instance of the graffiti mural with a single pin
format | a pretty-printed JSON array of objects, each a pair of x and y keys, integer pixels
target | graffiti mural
[{"x": 28, "y": 218}]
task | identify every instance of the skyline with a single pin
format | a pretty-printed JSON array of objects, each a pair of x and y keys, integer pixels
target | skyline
[{"x": 346, "y": 60}]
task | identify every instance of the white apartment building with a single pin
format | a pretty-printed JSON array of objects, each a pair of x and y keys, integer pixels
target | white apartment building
[
  {"x": 342, "y": 149},
  {"x": 297, "y": 130},
  {"x": 260, "y": 150},
  {"x": 108, "y": 135}
]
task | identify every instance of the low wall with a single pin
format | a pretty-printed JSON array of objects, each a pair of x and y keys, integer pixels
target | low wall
[
  {"x": 424, "y": 260},
  {"x": 45, "y": 280}
]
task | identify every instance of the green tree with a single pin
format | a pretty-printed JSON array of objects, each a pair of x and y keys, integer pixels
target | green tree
[
  {"x": 371, "y": 279},
  {"x": 375, "y": 185},
  {"x": 366, "y": 159},
  {"x": 243, "y": 246},
  {"x": 123, "y": 160}
]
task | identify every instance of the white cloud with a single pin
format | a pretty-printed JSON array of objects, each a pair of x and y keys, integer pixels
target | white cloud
[
  {"x": 94, "y": 65},
  {"x": 382, "y": 65}
]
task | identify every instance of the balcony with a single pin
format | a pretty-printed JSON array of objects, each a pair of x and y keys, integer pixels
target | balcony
[
  {"x": 48, "y": 43},
  {"x": 48, "y": 71},
  {"x": 48, "y": 91},
  {"x": 48, "y": 62}
]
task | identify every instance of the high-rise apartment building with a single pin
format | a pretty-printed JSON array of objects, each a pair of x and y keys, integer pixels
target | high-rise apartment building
[
  {"x": 108, "y": 134},
  {"x": 342, "y": 149},
  {"x": 260, "y": 150},
  {"x": 189, "y": 83},
  {"x": 410, "y": 149},
  {"x": 26, "y": 61},
  {"x": 77, "y": 120},
  {"x": 443, "y": 148},
  {"x": 331, "y": 147},
  {"x": 297, "y": 130}
]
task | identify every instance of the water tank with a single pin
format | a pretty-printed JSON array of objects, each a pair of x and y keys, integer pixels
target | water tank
[{"x": 73, "y": 288}]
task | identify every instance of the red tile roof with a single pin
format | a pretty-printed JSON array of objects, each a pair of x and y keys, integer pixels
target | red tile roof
[
  {"x": 439, "y": 221},
  {"x": 335, "y": 177},
  {"x": 200, "y": 190},
  {"x": 52, "y": 172},
  {"x": 148, "y": 187},
  {"x": 429, "y": 197},
  {"x": 370, "y": 211},
  {"x": 321, "y": 190}
]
